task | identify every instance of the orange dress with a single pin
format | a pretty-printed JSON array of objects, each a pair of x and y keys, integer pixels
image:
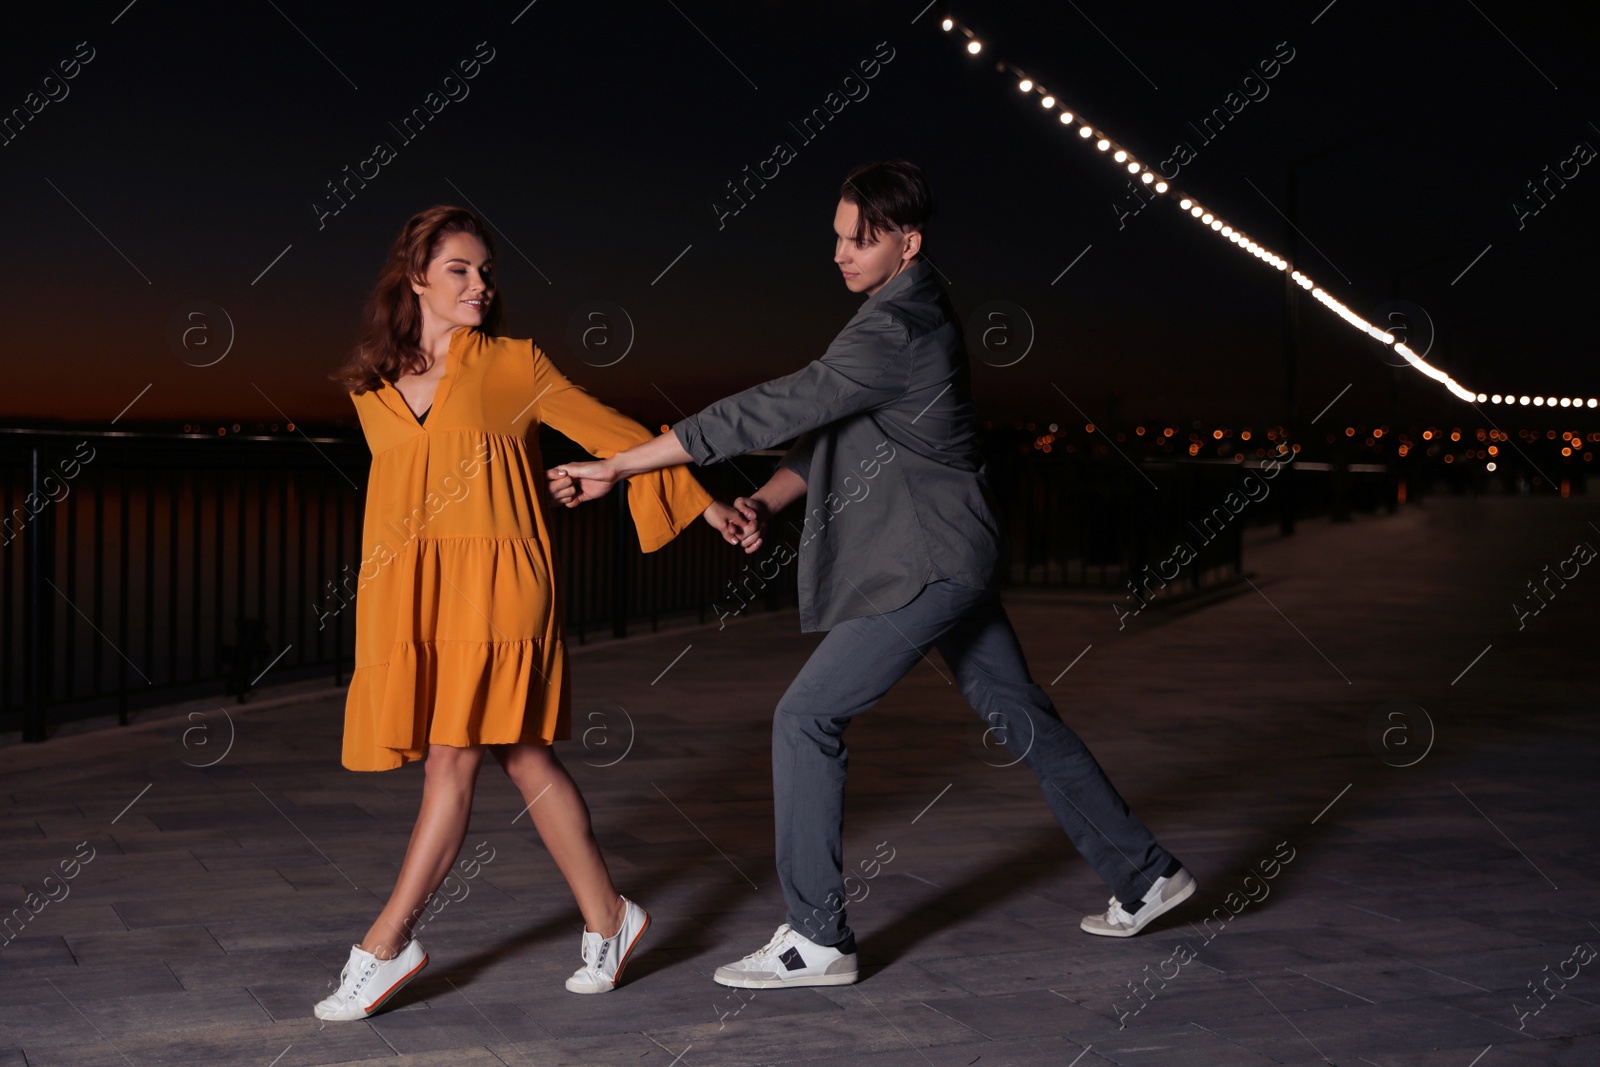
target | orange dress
[{"x": 459, "y": 637}]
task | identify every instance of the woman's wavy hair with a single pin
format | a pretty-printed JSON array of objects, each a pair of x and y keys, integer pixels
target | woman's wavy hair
[{"x": 390, "y": 344}]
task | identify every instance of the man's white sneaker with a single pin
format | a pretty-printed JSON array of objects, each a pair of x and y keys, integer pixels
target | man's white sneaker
[
  {"x": 790, "y": 959},
  {"x": 367, "y": 982},
  {"x": 604, "y": 957},
  {"x": 1125, "y": 920}
]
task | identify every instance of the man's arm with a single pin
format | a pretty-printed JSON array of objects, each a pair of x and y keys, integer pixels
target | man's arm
[
  {"x": 865, "y": 367},
  {"x": 595, "y": 478}
]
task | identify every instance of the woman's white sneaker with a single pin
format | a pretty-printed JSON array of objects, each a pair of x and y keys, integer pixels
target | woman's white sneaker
[
  {"x": 367, "y": 982},
  {"x": 790, "y": 959},
  {"x": 1125, "y": 920},
  {"x": 604, "y": 957}
]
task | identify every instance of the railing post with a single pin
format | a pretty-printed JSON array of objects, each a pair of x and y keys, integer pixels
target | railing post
[
  {"x": 619, "y": 562},
  {"x": 37, "y": 658}
]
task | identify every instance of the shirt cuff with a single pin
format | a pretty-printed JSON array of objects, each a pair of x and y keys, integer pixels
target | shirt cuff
[{"x": 694, "y": 442}]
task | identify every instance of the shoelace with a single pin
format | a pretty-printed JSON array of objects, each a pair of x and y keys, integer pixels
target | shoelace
[
  {"x": 591, "y": 957},
  {"x": 771, "y": 946},
  {"x": 593, "y": 965},
  {"x": 361, "y": 980},
  {"x": 1118, "y": 914}
]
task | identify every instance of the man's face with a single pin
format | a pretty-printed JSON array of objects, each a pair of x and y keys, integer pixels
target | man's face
[{"x": 867, "y": 265}]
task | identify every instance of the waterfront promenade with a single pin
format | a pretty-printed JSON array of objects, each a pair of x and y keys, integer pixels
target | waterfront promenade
[{"x": 1385, "y": 787}]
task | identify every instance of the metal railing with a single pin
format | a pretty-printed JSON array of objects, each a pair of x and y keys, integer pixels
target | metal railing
[{"x": 145, "y": 568}]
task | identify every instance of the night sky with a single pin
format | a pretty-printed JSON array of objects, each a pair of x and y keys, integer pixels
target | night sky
[{"x": 196, "y": 142}]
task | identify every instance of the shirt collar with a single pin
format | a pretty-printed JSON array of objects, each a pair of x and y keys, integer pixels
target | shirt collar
[{"x": 913, "y": 274}]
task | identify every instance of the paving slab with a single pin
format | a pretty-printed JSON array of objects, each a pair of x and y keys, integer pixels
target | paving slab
[{"x": 1420, "y": 901}]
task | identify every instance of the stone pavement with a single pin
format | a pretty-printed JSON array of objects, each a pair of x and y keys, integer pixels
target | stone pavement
[{"x": 1386, "y": 790}]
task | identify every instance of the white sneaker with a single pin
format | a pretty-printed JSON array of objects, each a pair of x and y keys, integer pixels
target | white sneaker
[
  {"x": 1122, "y": 921},
  {"x": 789, "y": 959},
  {"x": 604, "y": 957},
  {"x": 367, "y": 982}
]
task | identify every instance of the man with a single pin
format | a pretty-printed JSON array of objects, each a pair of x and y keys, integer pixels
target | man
[{"x": 899, "y": 554}]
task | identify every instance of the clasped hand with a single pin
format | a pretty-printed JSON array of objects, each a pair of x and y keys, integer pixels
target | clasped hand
[{"x": 742, "y": 523}]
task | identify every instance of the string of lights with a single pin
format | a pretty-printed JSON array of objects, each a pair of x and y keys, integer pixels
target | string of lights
[{"x": 1125, "y": 158}]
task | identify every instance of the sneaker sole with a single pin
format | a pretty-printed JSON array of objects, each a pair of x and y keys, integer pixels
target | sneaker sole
[
  {"x": 349, "y": 1016},
  {"x": 1167, "y": 905},
  {"x": 781, "y": 983},
  {"x": 626, "y": 955}
]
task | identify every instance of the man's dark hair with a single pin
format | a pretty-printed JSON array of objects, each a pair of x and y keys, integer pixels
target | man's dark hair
[{"x": 891, "y": 195}]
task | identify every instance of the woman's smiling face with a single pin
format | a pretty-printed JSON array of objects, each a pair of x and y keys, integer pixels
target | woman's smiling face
[{"x": 459, "y": 285}]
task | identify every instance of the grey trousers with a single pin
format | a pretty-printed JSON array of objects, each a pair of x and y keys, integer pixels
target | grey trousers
[{"x": 856, "y": 664}]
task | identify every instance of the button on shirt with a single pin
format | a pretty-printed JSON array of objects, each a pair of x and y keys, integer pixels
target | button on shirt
[{"x": 885, "y": 438}]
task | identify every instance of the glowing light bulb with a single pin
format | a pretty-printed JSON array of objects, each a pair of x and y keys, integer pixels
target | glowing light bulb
[
  {"x": 1085, "y": 132},
  {"x": 1121, "y": 156},
  {"x": 1161, "y": 187},
  {"x": 1565, "y": 402},
  {"x": 1102, "y": 144},
  {"x": 1524, "y": 401},
  {"x": 974, "y": 47},
  {"x": 1026, "y": 84},
  {"x": 1186, "y": 203},
  {"x": 1593, "y": 402},
  {"x": 1147, "y": 177},
  {"x": 1482, "y": 397},
  {"x": 1538, "y": 401},
  {"x": 1195, "y": 211},
  {"x": 1206, "y": 218},
  {"x": 1133, "y": 168},
  {"x": 948, "y": 24},
  {"x": 1216, "y": 224},
  {"x": 1495, "y": 399},
  {"x": 1066, "y": 118},
  {"x": 1048, "y": 102}
]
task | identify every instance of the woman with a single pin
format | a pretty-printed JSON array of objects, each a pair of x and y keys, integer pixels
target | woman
[{"x": 459, "y": 643}]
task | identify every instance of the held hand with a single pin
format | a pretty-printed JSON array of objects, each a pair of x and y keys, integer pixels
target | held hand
[
  {"x": 731, "y": 525},
  {"x": 756, "y": 514},
  {"x": 560, "y": 487},
  {"x": 594, "y": 479}
]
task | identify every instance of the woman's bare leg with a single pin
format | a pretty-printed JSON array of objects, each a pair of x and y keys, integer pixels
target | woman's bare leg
[
  {"x": 562, "y": 819},
  {"x": 436, "y": 840}
]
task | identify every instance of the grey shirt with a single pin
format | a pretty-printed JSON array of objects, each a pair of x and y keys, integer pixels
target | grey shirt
[{"x": 896, "y": 494}]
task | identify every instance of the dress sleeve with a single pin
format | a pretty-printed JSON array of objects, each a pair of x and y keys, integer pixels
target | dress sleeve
[{"x": 663, "y": 503}]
